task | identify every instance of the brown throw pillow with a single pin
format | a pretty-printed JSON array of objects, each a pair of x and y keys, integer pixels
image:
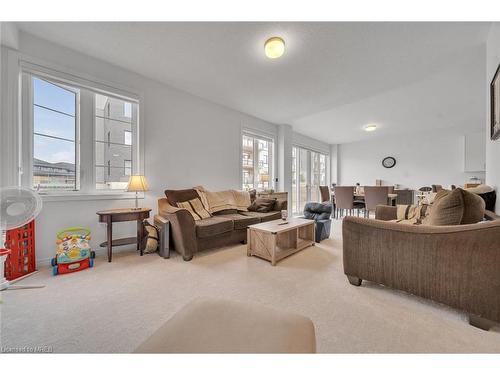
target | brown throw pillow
[
  {"x": 448, "y": 208},
  {"x": 262, "y": 205},
  {"x": 474, "y": 207}
]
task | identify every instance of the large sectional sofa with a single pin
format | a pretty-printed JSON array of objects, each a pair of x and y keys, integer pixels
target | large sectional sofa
[
  {"x": 227, "y": 227},
  {"x": 458, "y": 265}
]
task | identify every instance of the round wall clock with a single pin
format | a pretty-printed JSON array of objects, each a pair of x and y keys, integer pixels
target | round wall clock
[{"x": 389, "y": 162}]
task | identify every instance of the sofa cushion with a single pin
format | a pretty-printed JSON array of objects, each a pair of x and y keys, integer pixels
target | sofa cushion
[
  {"x": 213, "y": 226},
  {"x": 174, "y": 196},
  {"x": 195, "y": 208},
  {"x": 241, "y": 221},
  {"x": 262, "y": 205},
  {"x": 264, "y": 216},
  {"x": 448, "y": 208},
  {"x": 474, "y": 207},
  {"x": 226, "y": 212}
]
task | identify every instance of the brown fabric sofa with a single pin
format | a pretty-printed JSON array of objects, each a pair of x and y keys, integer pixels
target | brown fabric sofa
[
  {"x": 227, "y": 227},
  {"x": 458, "y": 265}
]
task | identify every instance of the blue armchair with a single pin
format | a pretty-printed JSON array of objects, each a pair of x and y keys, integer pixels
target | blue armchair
[{"x": 320, "y": 213}]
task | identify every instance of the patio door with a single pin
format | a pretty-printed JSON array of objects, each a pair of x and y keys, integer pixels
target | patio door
[{"x": 308, "y": 173}]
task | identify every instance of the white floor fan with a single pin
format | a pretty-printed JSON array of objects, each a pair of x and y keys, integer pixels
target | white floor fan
[{"x": 18, "y": 206}]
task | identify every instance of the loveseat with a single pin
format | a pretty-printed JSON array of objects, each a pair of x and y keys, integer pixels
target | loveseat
[
  {"x": 189, "y": 236},
  {"x": 457, "y": 265}
]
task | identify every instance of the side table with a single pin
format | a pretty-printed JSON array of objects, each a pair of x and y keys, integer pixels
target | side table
[{"x": 119, "y": 215}]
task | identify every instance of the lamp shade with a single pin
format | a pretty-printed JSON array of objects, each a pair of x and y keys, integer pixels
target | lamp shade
[{"x": 137, "y": 183}]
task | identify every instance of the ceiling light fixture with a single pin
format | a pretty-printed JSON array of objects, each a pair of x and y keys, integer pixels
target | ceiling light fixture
[
  {"x": 370, "y": 127},
  {"x": 274, "y": 47}
]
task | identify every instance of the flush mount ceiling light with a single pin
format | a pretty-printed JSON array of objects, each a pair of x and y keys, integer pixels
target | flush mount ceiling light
[
  {"x": 274, "y": 47},
  {"x": 370, "y": 127}
]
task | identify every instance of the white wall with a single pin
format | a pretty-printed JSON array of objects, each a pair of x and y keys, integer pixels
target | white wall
[
  {"x": 188, "y": 141},
  {"x": 421, "y": 160},
  {"x": 492, "y": 147}
]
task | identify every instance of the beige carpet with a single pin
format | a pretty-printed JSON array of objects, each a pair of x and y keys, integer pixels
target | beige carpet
[{"x": 113, "y": 307}]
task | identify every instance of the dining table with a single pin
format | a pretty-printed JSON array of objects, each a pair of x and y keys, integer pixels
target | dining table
[{"x": 391, "y": 199}]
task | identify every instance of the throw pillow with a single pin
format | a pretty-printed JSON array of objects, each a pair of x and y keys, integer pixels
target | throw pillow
[
  {"x": 262, "y": 205},
  {"x": 411, "y": 214},
  {"x": 195, "y": 208},
  {"x": 448, "y": 208},
  {"x": 474, "y": 207}
]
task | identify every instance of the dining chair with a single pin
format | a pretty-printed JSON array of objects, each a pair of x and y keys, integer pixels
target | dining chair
[
  {"x": 375, "y": 195},
  {"x": 324, "y": 192},
  {"x": 436, "y": 188},
  {"x": 344, "y": 199}
]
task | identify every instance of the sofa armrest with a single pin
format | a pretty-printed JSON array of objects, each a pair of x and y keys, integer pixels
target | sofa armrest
[
  {"x": 163, "y": 226},
  {"x": 386, "y": 213},
  {"x": 456, "y": 265},
  {"x": 182, "y": 226},
  {"x": 490, "y": 215}
]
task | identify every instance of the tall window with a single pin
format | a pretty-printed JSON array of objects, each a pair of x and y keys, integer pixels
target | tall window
[
  {"x": 68, "y": 128},
  {"x": 257, "y": 162}
]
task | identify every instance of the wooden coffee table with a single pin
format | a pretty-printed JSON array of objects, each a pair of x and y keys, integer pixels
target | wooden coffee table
[{"x": 275, "y": 240}]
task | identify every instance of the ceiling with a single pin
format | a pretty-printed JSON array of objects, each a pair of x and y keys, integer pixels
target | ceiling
[{"x": 332, "y": 80}]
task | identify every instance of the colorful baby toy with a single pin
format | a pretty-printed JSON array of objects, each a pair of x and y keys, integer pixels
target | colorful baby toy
[{"x": 73, "y": 251}]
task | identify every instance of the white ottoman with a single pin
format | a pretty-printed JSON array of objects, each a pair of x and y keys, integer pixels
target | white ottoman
[{"x": 221, "y": 326}]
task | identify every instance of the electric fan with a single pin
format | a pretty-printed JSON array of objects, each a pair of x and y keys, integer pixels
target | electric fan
[{"x": 18, "y": 206}]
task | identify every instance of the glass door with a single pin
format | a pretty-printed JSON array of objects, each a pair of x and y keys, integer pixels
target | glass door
[
  {"x": 317, "y": 175},
  {"x": 308, "y": 173}
]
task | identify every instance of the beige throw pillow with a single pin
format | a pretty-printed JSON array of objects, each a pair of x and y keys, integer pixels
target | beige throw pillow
[
  {"x": 412, "y": 214},
  {"x": 195, "y": 208}
]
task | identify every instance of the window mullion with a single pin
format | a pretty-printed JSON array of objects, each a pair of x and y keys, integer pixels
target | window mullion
[
  {"x": 87, "y": 144},
  {"x": 27, "y": 131}
]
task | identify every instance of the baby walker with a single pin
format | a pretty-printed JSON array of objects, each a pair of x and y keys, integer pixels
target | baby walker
[{"x": 73, "y": 251}]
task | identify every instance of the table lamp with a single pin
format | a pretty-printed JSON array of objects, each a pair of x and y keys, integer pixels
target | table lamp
[{"x": 137, "y": 183}]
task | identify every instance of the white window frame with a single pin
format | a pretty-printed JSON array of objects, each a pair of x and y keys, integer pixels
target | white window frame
[
  {"x": 264, "y": 137},
  {"x": 85, "y": 137}
]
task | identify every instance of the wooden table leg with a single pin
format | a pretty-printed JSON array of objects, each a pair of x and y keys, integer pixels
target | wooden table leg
[
  {"x": 273, "y": 249},
  {"x": 140, "y": 235},
  {"x": 249, "y": 242},
  {"x": 109, "y": 235}
]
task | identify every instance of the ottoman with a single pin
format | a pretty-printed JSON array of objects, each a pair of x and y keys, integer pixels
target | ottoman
[{"x": 221, "y": 326}]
